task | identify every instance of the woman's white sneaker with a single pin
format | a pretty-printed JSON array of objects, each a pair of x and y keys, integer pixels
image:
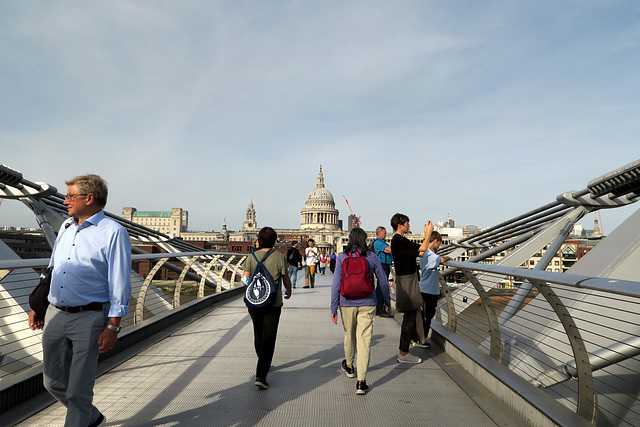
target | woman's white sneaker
[{"x": 408, "y": 358}]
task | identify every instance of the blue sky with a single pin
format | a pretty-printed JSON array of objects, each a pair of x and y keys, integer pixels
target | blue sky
[{"x": 475, "y": 110}]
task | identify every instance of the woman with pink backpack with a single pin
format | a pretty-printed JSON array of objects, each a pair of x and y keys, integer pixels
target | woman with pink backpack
[
  {"x": 323, "y": 262},
  {"x": 354, "y": 294}
]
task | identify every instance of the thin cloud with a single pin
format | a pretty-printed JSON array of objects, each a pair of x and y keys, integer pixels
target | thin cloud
[{"x": 203, "y": 105}]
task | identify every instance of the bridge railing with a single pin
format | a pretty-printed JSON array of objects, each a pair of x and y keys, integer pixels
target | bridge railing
[
  {"x": 152, "y": 295},
  {"x": 575, "y": 337},
  {"x": 170, "y": 282}
]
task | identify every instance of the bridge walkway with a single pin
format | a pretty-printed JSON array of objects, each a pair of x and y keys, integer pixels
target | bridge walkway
[{"x": 202, "y": 372}]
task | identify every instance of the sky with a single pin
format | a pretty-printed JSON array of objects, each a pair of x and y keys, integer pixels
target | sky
[{"x": 477, "y": 111}]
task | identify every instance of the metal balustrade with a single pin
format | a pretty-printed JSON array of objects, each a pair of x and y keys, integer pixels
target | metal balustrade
[
  {"x": 564, "y": 339},
  {"x": 215, "y": 266},
  {"x": 21, "y": 348}
]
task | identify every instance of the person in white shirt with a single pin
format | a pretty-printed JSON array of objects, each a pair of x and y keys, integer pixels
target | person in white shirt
[{"x": 310, "y": 254}]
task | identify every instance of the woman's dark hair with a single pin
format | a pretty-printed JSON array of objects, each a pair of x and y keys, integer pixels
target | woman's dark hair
[
  {"x": 398, "y": 219},
  {"x": 267, "y": 237},
  {"x": 357, "y": 238}
]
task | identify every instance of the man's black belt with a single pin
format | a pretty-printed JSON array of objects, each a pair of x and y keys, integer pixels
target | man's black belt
[{"x": 94, "y": 306}]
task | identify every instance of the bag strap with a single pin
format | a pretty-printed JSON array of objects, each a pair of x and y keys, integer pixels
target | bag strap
[
  {"x": 349, "y": 254},
  {"x": 264, "y": 257},
  {"x": 260, "y": 262},
  {"x": 374, "y": 246},
  {"x": 58, "y": 237},
  {"x": 66, "y": 226}
]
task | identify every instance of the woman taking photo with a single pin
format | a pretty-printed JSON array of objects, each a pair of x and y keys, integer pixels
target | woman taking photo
[{"x": 358, "y": 314}]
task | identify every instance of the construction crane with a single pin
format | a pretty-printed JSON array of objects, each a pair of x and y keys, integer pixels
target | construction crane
[{"x": 356, "y": 218}]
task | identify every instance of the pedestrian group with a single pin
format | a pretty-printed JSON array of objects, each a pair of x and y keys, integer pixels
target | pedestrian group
[{"x": 91, "y": 284}]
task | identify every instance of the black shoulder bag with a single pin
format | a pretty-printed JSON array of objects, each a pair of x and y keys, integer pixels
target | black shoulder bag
[{"x": 39, "y": 297}]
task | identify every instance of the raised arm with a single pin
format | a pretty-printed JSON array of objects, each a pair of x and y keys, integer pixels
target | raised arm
[{"x": 428, "y": 228}]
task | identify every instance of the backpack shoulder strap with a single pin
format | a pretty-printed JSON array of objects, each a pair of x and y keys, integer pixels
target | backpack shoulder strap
[
  {"x": 353, "y": 254},
  {"x": 264, "y": 257}
]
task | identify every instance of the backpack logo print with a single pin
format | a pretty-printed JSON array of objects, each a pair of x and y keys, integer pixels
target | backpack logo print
[{"x": 260, "y": 291}]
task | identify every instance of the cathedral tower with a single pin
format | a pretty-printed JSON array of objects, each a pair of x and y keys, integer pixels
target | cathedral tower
[{"x": 249, "y": 223}]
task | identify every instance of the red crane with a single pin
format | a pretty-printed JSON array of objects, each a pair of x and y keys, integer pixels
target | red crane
[{"x": 356, "y": 218}]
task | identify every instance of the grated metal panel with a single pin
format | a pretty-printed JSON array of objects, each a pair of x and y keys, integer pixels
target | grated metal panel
[{"x": 203, "y": 375}]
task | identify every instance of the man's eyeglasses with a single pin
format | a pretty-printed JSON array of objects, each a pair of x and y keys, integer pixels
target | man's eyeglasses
[{"x": 73, "y": 196}]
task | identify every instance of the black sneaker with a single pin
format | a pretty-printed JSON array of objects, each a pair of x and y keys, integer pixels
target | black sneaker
[
  {"x": 361, "y": 387},
  {"x": 261, "y": 383},
  {"x": 99, "y": 422},
  {"x": 347, "y": 370},
  {"x": 420, "y": 344}
]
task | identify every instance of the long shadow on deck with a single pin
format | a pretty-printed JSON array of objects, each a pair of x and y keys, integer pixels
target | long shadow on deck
[{"x": 244, "y": 404}]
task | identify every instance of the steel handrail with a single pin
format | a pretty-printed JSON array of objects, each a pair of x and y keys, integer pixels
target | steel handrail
[
  {"x": 580, "y": 364},
  {"x": 613, "y": 286}
]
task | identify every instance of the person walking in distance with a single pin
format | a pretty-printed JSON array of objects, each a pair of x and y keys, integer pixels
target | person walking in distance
[
  {"x": 357, "y": 313},
  {"x": 294, "y": 259},
  {"x": 310, "y": 254},
  {"x": 323, "y": 262},
  {"x": 332, "y": 262},
  {"x": 90, "y": 289},
  {"x": 408, "y": 299}
]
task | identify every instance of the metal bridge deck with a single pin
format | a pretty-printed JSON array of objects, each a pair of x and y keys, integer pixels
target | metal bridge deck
[{"x": 202, "y": 373}]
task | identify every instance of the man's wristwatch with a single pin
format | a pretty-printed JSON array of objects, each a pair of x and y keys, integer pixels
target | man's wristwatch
[{"x": 115, "y": 329}]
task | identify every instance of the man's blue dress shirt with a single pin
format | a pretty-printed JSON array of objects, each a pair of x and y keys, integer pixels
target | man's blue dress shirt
[{"x": 92, "y": 263}]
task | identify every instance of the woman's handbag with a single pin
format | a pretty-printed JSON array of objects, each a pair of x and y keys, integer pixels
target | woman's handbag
[
  {"x": 408, "y": 296},
  {"x": 39, "y": 298}
]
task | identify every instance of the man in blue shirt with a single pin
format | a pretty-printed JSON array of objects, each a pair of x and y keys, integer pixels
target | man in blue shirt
[
  {"x": 430, "y": 280},
  {"x": 90, "y": 289},
  {"x": 383, "y": 251}
]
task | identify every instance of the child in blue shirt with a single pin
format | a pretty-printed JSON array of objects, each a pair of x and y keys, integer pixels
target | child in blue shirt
[{"x": 430, "y": 281}]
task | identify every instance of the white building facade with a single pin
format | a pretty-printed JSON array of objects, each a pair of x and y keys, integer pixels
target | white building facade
[{"x": 173, "y": 222}]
